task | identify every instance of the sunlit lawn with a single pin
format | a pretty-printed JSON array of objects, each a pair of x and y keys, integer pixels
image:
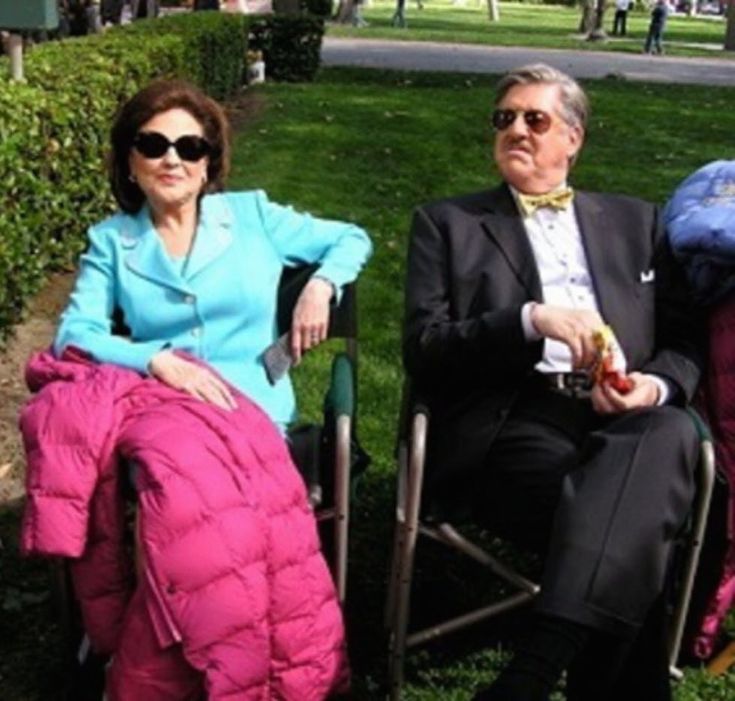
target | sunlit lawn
[{"x": 527, "y": 24}]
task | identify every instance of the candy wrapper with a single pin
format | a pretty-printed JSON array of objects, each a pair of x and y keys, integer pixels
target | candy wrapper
[{"x": 610, "y": 366}]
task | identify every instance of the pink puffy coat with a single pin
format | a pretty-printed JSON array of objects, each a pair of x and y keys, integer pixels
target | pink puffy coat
[
  {"x": 230, "y": 546},
  {"x": 719, "y": 394}
]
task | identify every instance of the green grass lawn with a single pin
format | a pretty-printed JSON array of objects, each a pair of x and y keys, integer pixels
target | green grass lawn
[
  {"x": 526, "y": 24},
  {"x": 368, "y": 146}
]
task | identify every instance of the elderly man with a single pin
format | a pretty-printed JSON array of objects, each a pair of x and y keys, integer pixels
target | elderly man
[{"x": 506, "y": 291}]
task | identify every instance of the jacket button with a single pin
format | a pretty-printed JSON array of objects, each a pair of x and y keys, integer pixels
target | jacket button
[
  {"x": 196, "y": 332},
  {"x": 189, "y": 299},
  {"x": 170, "y": 589}
]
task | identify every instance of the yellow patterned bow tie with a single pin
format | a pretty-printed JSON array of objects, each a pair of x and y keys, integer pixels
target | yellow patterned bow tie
[{"x": 558, "y": 199}]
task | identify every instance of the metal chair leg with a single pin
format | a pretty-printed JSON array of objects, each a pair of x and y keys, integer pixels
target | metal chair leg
[
  {"x": 705, "y": 485},
  {"x": 410, "y": 534},
  {"x": 342, "y": 503},
  {"x": 395, "y": 567}
]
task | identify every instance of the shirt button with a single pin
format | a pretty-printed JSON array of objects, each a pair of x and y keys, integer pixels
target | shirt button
[
  {"x": 197, "y": 331},
  {"x": 189, "y": 299}
]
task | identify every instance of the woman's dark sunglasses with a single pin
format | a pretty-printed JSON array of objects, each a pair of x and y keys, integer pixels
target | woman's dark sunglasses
[
  {"x": 151, "y": 144},
  {"x": 537, "y": 121}
]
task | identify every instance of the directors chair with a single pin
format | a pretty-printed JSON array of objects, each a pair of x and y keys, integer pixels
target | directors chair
[{"x": 410, "y": 523}]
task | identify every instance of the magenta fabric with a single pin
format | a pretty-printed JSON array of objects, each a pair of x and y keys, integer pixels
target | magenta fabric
[
  {"x": 719, "y": 394},
  {"x": 232, "y": 563},
  {"x": 141, "y": 669}
]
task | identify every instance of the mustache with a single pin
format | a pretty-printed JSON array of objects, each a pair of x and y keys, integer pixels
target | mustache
[{"x": 513, "y": 142}]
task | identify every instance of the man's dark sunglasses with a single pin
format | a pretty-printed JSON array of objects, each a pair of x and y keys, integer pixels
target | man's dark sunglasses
[
  {"x": 538, "y": 121},
  {"x": 151, "y": 144}
]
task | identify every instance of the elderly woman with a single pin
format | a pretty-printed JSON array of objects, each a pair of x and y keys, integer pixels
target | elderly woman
[
  {"x": 194, "y": 269},
  {"x": 233, "y": 598}
]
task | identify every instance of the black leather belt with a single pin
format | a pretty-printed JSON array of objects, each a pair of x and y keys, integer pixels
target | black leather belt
[{"x": 570, "y": 384}]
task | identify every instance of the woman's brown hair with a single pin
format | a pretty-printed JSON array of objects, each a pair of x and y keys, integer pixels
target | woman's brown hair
[{"x": 161, "y": 96}]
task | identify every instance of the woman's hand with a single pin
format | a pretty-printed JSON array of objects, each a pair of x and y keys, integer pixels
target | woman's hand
[
  {"x": 310, "y": 322},
  {"x": 191, "y": 378}
]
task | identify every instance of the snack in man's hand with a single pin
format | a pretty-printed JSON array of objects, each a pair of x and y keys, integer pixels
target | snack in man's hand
[{"x": 610, "y": 366}]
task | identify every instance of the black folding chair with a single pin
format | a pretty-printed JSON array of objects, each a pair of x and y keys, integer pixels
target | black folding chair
[
  {"x": 411, "y": 523},
  {"x": 327, "y": 454}
]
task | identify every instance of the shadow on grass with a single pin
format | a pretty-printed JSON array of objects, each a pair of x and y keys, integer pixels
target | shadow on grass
[{"x": 30, "y": 636}]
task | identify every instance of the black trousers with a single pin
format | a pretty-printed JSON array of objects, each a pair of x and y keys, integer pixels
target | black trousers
[
  {"x": 619, "y": 22},
  {"x": 602, "y": 499}
]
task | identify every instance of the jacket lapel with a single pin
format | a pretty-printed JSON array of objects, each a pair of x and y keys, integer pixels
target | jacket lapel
[
  {"x": 504, "y": 226},
  {"x": 214, "y": 234},
  {"x": 599, "y": 247},
  {"x": 147, "y": 256}
]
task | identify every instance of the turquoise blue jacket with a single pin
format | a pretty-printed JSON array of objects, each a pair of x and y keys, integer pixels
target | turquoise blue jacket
[{"x": 222, "y": 308}]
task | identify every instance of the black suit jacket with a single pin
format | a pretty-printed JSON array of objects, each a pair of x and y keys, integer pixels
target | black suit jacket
[{"x": 470, "y": 270}]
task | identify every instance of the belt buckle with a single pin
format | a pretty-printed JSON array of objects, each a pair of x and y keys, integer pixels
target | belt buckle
[
  {"x": 577, "y": 384},
  {"x": 558, "y": 382}
]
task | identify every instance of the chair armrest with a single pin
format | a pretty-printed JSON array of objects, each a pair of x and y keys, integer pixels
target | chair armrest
[
  {"x": 703, "y": 430},
  {"x": 340, "y": 396}
]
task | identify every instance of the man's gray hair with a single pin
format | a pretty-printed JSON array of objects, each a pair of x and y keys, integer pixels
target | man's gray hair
[{"x": 574, "y": 103}]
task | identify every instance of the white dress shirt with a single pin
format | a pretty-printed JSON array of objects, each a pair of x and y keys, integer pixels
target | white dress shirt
[{"x": 565, "y": 281}]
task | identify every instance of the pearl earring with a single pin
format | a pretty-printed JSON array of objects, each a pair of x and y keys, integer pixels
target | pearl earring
[{"x": 131, "y": 178}]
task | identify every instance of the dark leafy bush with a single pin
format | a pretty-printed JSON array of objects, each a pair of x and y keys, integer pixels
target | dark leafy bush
[
  {"x": 319, "y": 8},
  {"x": 53, "y": 131},
  {"x": 291, "y": 46}
]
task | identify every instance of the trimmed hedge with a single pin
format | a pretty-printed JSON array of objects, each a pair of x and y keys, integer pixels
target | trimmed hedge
[
  {"x": 54, "y": 128},
  {"x": 291, "y": 46},
  {"x": 54, "y": 131}
]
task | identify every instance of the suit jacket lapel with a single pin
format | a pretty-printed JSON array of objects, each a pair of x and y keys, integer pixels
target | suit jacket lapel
[
  {"x": 147, "y": 256},
  {"x": 504, "y": 226},
  {"x": 214, "y": 235},
  {"x": 599, "y": 246}
]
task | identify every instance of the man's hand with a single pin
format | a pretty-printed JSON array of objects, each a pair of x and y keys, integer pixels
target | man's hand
[
  {"x": 607, "y": 400},
  {"x": 574, "y": 327},
  {"x": 191, "y": 378},
  {"x": 310, "y": 322}
]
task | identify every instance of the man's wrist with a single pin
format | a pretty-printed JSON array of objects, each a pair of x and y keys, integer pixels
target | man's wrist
[
  {"x": 664, "y": 390},
  {"x": 529, "y": 329}
]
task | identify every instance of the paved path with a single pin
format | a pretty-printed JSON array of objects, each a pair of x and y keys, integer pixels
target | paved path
[{"x": 464, "y": 58}]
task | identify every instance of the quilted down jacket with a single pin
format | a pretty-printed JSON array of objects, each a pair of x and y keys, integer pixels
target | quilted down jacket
[
  {"x": 230, "y": 547},
  {"x": 700, "y": 223}
]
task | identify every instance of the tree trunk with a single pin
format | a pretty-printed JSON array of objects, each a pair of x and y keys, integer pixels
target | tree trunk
[
  {"x": 730, "y": 31},
  {"x": 597, "y": 32},
  {"x": 587, "y": 21},
  {"x": 493, "y": 10},
  {"x": 345, "y": 12}
]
